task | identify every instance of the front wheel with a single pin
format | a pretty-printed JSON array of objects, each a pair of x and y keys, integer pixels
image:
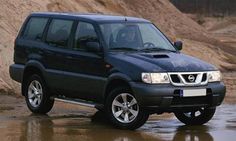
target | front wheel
[
  {"x": 123, "y": 109},
  {"x": 36, "y": 95},
  {"x": 196, "y": 117}
]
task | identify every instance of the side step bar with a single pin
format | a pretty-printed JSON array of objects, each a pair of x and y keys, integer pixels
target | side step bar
[{"x": 79, "y": 102}]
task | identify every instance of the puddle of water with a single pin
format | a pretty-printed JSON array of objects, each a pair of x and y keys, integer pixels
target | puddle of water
[{"x": 86, "y": 128}]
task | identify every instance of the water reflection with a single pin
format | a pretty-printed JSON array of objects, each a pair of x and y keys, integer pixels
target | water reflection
[
  {"x": 96, "y": 128},
  {"x": 193, "y": 133},
  {"x": 44, "y": 128},
  {"x": 37, "y": 128}
]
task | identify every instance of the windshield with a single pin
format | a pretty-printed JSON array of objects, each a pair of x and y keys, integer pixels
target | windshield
[{"x": 134, "y": 37}]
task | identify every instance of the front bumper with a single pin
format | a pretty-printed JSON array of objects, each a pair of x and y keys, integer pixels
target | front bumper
[{"x": 167, "y": 98}]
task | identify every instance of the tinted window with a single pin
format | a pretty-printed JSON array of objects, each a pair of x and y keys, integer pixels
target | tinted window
[
  {"x": 151, "y": 35},
  {"x": 34, "y": 28},
  {"x": 122, "y": 35},
  {"x": 85, "y": 32},
  {"x": 134, "y": 36},
  {"x": 59, "y": 32}
]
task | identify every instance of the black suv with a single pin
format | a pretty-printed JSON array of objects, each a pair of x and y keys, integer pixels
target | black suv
[{"x": 123, "y": 66}]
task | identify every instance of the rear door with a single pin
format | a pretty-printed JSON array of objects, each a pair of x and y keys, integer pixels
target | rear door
[
  {"x": 85, "y": 70},
  {"x": 57, "y": 43}
]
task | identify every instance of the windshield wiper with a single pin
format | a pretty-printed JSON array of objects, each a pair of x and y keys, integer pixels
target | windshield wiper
[
  {"x": 156, "y": 49},
  {"x": 124, "y": 48}
]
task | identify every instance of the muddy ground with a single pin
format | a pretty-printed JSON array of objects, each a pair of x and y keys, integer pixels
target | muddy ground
[{"x": 70, "y": 122}]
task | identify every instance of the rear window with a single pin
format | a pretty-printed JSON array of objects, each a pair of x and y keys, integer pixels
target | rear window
[
  {"x": 59, "y": 32},
  {"x": 34, "y": 28}
]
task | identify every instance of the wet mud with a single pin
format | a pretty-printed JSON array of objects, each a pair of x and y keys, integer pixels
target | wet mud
[{"x": 74, "y": 123}]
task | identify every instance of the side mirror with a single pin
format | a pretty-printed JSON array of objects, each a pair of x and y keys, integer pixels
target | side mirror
[
  {"x": 178, "y": 45},
  {"x": 93, "y": 46}
]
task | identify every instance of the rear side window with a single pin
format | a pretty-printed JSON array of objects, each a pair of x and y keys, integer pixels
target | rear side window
[
  {"x": 85, "y": 32},
  {"x": 34, "y": 28},
  {"x": 59, "y": 32}
]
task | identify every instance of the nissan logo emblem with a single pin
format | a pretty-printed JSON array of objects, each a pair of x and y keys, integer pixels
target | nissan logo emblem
[{"x": 191, "y": 78}]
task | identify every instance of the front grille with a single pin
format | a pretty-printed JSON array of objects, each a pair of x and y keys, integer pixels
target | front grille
[
  {"x": 188, "y": 78},
  {"x": 204, "y": 77},
  {"x": 175, "y": 78}
]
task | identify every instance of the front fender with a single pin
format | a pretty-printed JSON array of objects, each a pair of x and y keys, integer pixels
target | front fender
[
  {"x": 119, "y": 75},
  {"x": 116, "y": 76}
]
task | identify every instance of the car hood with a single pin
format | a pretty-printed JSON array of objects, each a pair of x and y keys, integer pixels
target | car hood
[{"x": 162, "y": 62}]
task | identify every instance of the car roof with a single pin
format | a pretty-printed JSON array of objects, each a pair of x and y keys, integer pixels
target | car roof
[{"x": 94, "y": 17}]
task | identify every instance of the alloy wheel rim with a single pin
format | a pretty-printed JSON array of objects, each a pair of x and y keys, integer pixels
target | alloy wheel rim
[
  {"x": 35, "y": 92},
  {"x": 125, "y": 108}
]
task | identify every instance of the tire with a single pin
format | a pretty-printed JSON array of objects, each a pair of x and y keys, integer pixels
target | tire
[
  {"x": 131, "y": 116},
  {"x": 36, "y": 95},
  {"x": 191, "y": 118}
]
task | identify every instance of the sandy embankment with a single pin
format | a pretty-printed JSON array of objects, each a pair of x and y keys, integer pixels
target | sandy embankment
[{"x": 198, "y": 41}]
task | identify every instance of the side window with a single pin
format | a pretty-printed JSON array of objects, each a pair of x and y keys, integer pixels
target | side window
[
  {"x": 34, "y": 28},
  {"x": 85, "y": 32},
  {"x": 59, "y": 32}
]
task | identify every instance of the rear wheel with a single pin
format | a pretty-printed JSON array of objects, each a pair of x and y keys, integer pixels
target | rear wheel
[
  {"x": 123, "y": 109},
  {"x": 36, "y": 95},
  {"x": 196, "y": 117}
]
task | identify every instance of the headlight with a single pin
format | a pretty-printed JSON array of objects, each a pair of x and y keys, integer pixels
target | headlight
[
  {"x": 214, "y": 76},
  {"x": 155, "y": 78}
]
